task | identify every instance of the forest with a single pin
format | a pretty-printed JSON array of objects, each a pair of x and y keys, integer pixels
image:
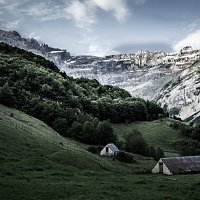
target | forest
[{"x": 78, "y": 108}]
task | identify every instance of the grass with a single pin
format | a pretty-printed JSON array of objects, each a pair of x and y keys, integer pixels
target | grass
[
  {"x": 37, "y": 163},
  {"x": 157, "y": 133}
]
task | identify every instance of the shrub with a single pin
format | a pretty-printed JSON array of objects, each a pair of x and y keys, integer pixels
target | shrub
[
  {"x": 175, "y": 125},
  {"x": 93, "y": 149},
  {"x": 135, "y": 143},
  {"x": 187, "y": 147},
  {"x": 125, "y": 157}
]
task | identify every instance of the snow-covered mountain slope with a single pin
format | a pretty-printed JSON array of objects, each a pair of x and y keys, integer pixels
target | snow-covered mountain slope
[
  {"x": 181, "y": 96},
  {"x": 58, "y": 56}
]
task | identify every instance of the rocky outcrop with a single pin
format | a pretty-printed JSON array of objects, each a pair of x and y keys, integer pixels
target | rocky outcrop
[
  {"x": 181, "y": 96},
  {"x": 58, "y": 56}
]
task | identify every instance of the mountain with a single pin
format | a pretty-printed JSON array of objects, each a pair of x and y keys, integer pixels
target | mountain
[
  {"x": 181, "y": 95},
  {"x": 144, "y": 74},
  {"x": 58, "y": 56}
]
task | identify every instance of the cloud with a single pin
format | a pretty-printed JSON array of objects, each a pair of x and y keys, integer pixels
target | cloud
[
  {"x": 192, "y": 26},
  {"x": 83, "y": 13},
  {"x": 100, "y": 50},
  {"x": 45, "y": 11},
  {"x": 34, "y": 35},
  {"x": 12, "y": 4},
  {"x": 2, "y": 1},
  {"x": 12, "y": 25},
  {"x": 192, "y": 39},
  {"x": 118, "y": 8}
]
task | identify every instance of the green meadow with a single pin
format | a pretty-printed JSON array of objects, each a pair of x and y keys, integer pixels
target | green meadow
[{"x": 37, "y": 163}]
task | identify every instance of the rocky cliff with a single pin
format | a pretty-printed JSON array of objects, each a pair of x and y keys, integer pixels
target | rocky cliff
[{"x": 58, "y": 56}]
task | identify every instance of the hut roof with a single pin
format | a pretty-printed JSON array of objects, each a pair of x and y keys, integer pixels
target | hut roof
[
  {"x": 182, "y": 164},
  {"x": 112, "y": 147}
]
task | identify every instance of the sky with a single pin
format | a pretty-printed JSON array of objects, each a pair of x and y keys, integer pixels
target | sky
[{"x": 103, "y": 27}]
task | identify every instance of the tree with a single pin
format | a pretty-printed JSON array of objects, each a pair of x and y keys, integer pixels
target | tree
[
  {"x": 187, "y": 147},
  {"x": 159, "y": 153},
  {"x": 135, "y": 143},
  {"x": 105, "y": 133},
  {"x": 152, "y": 152},
  {"x": 7, "y": 96},
  {"x": 88, "y": 133},
  {"x": 60, "y": 125},
  {"x": 125, "y": 157}
]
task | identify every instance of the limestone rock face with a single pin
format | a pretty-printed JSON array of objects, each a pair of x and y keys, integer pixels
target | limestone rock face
[
  {"x": 13, "y": 38},
  {"x": 171, "y": 79}
]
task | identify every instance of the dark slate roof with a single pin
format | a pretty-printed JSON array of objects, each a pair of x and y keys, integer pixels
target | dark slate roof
[
  {"x": 182, "y": 164},
  {"x": 112, "y": 147}
]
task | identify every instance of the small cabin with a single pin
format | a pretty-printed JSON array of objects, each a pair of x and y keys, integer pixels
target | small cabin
[
  {"x": 109, "y": 150},
  {"x": 177, "y": 165}
]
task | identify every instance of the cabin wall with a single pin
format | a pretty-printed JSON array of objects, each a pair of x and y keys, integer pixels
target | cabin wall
[
  {"x": 165, "y": 170},
  {"x": 155, "y": 170},
  {"x": 104, "y": 153}
]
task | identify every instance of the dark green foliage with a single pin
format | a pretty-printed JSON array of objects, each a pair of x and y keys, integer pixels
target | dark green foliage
[
  {"x": 187, "y": 147},
  {"x": 125, "y": 157},
  {"x": 73, "y": 107},
  {"x": 93, "y": 149},
  {"x": 155, "y": 153},
  {"x": 195, "y": 133},
  {"x": 152, "y": 152},
  {"x": 135, "y": 143},
  {"x": 7, "y": 96},
  {"x": 153, "y": 110},
  {"x": 187, "y": 130},
  {"x": 159, "y": 153},
  {"x": 175, "y": 125},
  {"x": 105, "y": 133},
  {"x": 61, "y": 126}
]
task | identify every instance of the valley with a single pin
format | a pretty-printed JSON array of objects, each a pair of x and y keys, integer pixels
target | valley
[
  {"x": 34, "y": 162},
  {"x": 99, "y": 100},
  {"x": 144, "y": 74},
  {"x": 49, "y": 157}
]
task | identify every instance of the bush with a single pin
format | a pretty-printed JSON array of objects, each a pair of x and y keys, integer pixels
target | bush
[
  {"x": 175, "y": 125},
  {"x": 187, "y": 147},
  {"x": 135, "y": 143},
  {"x": 93, "y": 149},
  {"x": 125, "y": 157}
]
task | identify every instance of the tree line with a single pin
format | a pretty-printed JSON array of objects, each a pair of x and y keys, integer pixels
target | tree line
[{"x": 78, "y": 108}]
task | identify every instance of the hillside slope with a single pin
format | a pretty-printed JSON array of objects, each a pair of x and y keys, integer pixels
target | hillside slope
[
  {"x": 25, "y": 137},
  {"x": 73, "y": 107},
  {"x": 157, "y": 133},
  {"x": 37, "y": 163}
]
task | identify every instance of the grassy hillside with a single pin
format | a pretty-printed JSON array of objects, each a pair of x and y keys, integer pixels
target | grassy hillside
[
  {"x": 156, "y": 133},
  {"x": 75, "y": 108},
  {"x": 37, "y": 163}
]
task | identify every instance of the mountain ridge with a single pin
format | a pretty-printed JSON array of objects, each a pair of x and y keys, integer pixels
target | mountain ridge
[{"x": 144, "y": 74}]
